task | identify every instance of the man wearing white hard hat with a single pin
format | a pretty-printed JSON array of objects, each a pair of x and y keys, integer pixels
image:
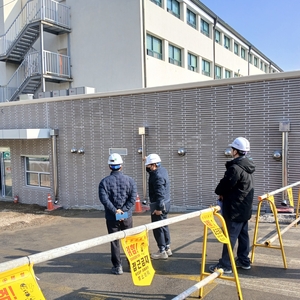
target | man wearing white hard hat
[
  {"x": 236, "y": 191},
  {"x": 117, "y": 193},
  {"x": 159, "y": 195}
]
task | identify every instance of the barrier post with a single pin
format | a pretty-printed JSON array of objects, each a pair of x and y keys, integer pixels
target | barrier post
[
  {"x": 223, "y": 236},
  {"x": 269, "y": 197}
]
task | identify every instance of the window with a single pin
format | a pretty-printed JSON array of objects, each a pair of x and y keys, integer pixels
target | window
[
  {"x": 265, "y": 68},
  {"x": 174, "y": 55},
  {"x": 204, "y": 27},
  {"x": 261, "y": 65},
  {"x": 236, "y": 49},
  {"x": 236, "y": 75},
  {"x": 154, "y": 46},
  {"x": 218, "y": 74},
  {"x": 227, "y": 74},
  {"x": 243, "y": 53},
  {"x": 226, "y": 42},
  {"x": 37, "y": 171},
  {"x": 192, "y": 62},
  {"x": 174, "y": 8},
  {"x": 157, "y": 2},
  {"x": 205, "y": 67},
  {"x": 250, "y": 58},
  {"x": 191, "y": 18},
  {"x": 255, "y": 61},
  {"x": 217, "y": 36}
]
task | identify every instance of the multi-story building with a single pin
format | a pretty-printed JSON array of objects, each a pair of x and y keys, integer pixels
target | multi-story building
[{"x": 48, "y": 48}]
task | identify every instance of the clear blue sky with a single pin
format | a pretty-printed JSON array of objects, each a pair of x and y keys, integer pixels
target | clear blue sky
[{"x": 272, "y": 26}]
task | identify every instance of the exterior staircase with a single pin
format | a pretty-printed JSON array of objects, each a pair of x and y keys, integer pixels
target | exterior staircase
[{"x": 16, "y": 44}]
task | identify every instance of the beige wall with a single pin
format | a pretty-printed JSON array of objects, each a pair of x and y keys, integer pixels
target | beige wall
[{"x": 106, "y": 44}]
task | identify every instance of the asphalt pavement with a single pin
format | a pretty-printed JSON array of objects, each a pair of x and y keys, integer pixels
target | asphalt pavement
[{"x": 87, "y": 274}]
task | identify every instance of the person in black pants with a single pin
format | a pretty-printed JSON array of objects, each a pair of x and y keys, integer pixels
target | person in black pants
[
  {"x": 159, "y": 194},
  {"x": 236, "y": 191},
  {"x": 117, "y": 193}
]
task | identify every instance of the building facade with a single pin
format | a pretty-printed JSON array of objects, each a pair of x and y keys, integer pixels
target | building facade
[
  {"x": 50, "y": 48},
  {"x": 60, "y": 145}
]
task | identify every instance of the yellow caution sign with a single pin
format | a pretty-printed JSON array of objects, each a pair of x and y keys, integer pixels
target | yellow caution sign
[
  {"x": 271, "y": 199},
  {"x": 208, "y": 219},
  {"x": 136, "y": 250},
  {"x": 290, "y": 195},
  {"x": 20, "y": 284}
]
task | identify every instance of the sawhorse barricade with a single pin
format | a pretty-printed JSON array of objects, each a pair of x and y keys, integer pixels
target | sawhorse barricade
[
  {"x": 269, "y": 197},
  {"x": 208, "y": 219}
]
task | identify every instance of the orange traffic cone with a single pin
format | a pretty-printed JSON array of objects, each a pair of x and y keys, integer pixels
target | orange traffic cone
[
  {"x": 138, "y": 205},
  {"x": 50, "y": 205}
]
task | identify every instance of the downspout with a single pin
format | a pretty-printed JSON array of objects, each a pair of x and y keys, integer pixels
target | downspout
[
  {"x": 144, "y": 45},
  {"x": 54, "y": 134},
  {"x": 214, "y": 47},
  {"x": 249, "y": 52}
]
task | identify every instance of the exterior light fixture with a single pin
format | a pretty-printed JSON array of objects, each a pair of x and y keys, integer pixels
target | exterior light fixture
[
  {"x": 277, "y": 155},
  {"x": 81, "y": 151},
  {"x": 73, "y": 150},
  {"x": 181, "y": 152},
  {"x": 227, "y": 152}
]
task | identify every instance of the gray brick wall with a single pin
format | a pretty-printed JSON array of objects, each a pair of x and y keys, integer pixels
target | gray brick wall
[{"x": 203, "y": 118}]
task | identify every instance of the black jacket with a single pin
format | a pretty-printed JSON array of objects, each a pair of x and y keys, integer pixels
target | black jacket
[
  {"x": 117, "y": 191},
  {"x": 237, "y": 189},
  {"x": 159, "y": 187}
]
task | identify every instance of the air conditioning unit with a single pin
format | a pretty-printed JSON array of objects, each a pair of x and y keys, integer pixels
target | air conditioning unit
[
  {"x": 85, "y": 90},
  {"x": 26, "y": 97}
]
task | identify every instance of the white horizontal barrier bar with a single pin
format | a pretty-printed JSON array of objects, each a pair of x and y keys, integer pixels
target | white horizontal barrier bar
[
  {"x": 278, "y": 191},
  {"x": 76, "y": 247},
  {"x": 199, "y": 285}
]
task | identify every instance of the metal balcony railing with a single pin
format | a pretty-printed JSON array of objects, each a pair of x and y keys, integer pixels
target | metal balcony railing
[
  {"x": 34, "y": 10},
  {"x": 28, "y": 76}
]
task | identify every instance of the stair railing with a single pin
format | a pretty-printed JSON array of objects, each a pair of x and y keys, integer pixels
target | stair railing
[{"x": 34, "y": 10}]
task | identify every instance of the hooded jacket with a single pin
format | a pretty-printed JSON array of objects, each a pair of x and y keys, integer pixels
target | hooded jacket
[{"x": 237, "y": 189}]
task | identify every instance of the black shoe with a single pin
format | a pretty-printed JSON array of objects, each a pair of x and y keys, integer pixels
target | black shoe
[{"x": 214, "y": 268}]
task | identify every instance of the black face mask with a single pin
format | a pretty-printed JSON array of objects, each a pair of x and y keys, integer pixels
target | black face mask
[{"x": 148, "y": 170}]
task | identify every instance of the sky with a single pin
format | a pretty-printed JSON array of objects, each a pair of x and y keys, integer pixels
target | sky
[{"x": 272, "y": 26}]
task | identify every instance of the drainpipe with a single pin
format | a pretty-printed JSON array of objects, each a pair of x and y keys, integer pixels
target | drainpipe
[
  {"x": 214, "y": 47},
  {"x": 284, "y": 127},
  {"x": 144, "y": 44},
  {"x": 143, "y": 131},
  {"x": 249, "y": 52},
  {"x": 54, "y": 134}
]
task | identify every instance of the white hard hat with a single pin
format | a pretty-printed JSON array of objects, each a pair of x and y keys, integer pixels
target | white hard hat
[
  {"x": 152, "y": 159},
  {"x": 241, "y": 144},
  {"x": 115, "y": 159}
]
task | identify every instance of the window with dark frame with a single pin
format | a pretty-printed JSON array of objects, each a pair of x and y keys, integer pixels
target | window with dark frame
[
  {"x": 192, "y": 62},
  {"x": 173, "y": 7},
  {"x": 217, "y": 36},
  {"x": 191, "y": 18},
  {"x": 157, "y": 2},
  {"x": 204, "y": 27},
  {"x": 226, "y": 42},
  {"x": 218, "y": 74},
  {"x": 154, "y": 46},
  {"x": 205, "y": 67},
  {"x": 174, "y": 55},
  {"x": 37, "y": 171}
]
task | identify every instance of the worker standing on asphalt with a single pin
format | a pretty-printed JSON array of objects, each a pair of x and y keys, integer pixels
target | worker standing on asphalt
[
  {"x": 117, "y": 193},
  {"x": 159, "y": 194},
  {"x": 236, "y": 190}
]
